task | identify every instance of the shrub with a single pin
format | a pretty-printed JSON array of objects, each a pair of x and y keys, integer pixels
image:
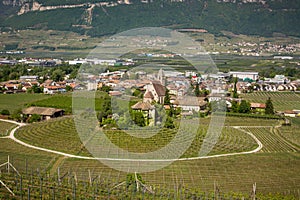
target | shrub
[
  {"x": 34, "y": 118},
  {"x": 5, "y": 112}
]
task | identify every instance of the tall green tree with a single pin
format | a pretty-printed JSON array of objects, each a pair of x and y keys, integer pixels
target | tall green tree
[
  {"x": 235, "y": 94},
  {"x": 36, "y": 89},
  {"x": 105, "y": 88},
  {"x": 57, "y": 75},
  {"x": 139, "y": 119},
  {"x": 106, "y": 107},
  {"x": 234, "y": 107},
  {"x": 197, "y": 91},
  {"x": 169, "y": 123},
  {"x": 244, "y": 107},
  {"x": 167, "y": 98},
  {"x": 137, "y": 93},
  {"x": 269, "y": 110}
]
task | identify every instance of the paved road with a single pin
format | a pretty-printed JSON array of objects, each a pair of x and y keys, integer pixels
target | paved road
[{"x": 12, "y": 137}]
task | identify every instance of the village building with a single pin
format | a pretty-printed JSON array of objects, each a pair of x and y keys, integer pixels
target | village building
[
  {"x": 258, "y": 107},
  {"x": 289, "y": 113},
  {"x": 148, "y": 111},
  {"x": 155, "y": 92},
  {"x": 115, "y": 93},
  {"x": 161, "y": 77},
  {"x": 191, "y": 103},
  {"x": 245, "y": 75},
  {"x": 44, "y": 112},
  {"x": 29, "y": 78}
]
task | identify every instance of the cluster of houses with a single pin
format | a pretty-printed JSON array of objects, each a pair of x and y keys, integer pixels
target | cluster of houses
[
  {"x": 26, "y": 84},
  {"x": 153, "y": 87}
]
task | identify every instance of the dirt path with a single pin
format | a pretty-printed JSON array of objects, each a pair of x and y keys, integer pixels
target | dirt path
[{"x": 12, "y": 137}]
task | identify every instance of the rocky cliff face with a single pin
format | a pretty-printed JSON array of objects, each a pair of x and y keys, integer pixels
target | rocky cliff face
[
  {"x": 15, "y": 2},
  {"x": 26, "y": 7}
]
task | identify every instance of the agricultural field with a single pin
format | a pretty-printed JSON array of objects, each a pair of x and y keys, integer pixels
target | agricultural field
[
  {"x": 281, "y": 100},
  {"x": 5, "y": 128},
  {"x": 41, "y": 43},
  {"x": 271, "y": 171},
  {"x": 291, "y": 134},
  {"x": 56, "y": 134},
  {"x": 271, "y": 141},
  {"x": 273, "y": 168},
  {"x": 245, "y": 121},
  {"x": 23, "y": 158},
  {"x": 14, "y": 102},
  {"x": 61, "y": 135}
]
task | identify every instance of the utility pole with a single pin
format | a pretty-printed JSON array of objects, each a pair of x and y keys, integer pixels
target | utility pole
[{"x": 254, "y": 191}]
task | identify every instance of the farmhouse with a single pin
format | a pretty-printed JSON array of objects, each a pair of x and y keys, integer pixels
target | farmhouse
[
  {"x": 148, "y": 111},
  {"x": 289, "y": 113},
  {"x": 259, "y": 107},
  {"x": 45, "y": 113}
]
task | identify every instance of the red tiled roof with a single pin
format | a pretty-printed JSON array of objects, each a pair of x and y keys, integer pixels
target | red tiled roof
[
  {"x": 142, "y": 106},
  {"x": 258, "y": 105},
  {"x": 115, "y": 93},
  {"x": 54, "y": 87}
]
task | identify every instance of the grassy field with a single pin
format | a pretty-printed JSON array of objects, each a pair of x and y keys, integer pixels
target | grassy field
[
  {"x": 281, "y": 100},
  {"x": 64, "y": 101},
  {"x": 14, "y": 102},
  {"x": 5, "y": 127}
]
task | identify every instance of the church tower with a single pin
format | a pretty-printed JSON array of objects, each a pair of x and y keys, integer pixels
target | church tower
[{"x": 161, "y": 77}]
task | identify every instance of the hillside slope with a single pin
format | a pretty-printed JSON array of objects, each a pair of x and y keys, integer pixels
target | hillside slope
[{"x": 98, "y": 18}]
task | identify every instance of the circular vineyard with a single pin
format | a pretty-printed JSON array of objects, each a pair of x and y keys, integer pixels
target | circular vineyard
[{"x": 61, "y": 135}]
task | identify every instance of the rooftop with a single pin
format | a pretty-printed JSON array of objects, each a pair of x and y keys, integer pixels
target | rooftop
[
  {"x": 41, "y": 111},
  {"x": 142, "y": 106}
]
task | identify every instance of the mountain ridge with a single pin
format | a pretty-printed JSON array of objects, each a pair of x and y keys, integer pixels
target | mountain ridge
[{"x": 98, "y": 18}]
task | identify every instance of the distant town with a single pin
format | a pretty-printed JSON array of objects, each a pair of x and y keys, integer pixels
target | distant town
[{"x": 180, "y": 87}]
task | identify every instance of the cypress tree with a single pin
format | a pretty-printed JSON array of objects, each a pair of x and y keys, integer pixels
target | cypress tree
[
  {"x": 235, "y": 94},
  {"x": 269, "y": 110},
  {"x": 197, "y": 91}
]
